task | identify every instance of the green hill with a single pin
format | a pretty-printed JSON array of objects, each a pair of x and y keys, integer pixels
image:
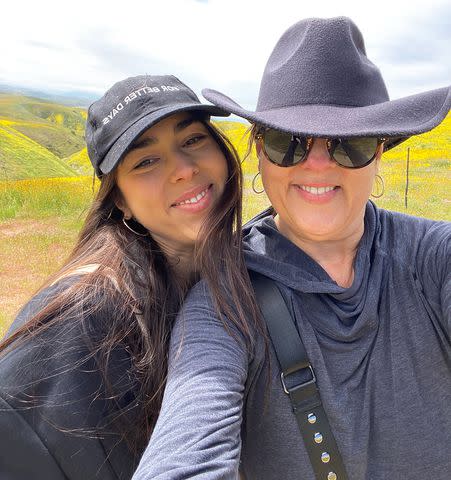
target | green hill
[
  {"x": 80, "y": 162},
  {"x": 29, "y": 109},
  {"x": 56, "y": 139},
  {"x": 21, "y": 157},
  {"x": 36, "y": 135}
]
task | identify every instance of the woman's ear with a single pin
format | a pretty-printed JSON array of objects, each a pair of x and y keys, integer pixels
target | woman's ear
[
  {"x": 122, "y": 206},
  {"x": 260, "y": 152},
  {"x": 377, "y": 160},
  {"x": 259, "y": 148}
]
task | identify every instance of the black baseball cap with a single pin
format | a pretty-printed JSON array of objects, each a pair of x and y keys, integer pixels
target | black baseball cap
[{"x": 130, "y": 107}]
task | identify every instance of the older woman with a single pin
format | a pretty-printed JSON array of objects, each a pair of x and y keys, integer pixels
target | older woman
[{"x": 369, "y": 292}]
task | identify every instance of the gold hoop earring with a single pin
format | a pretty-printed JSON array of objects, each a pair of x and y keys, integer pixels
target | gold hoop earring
[
  {"x": 134, "y": 231},
  {"x": 380, "y": 189},
  {"x": 253, "y": 185}
]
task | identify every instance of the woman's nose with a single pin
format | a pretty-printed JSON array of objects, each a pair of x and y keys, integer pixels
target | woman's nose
[
  {"x": 318, "y": 156},
  {"x": 183, "y": 167}
]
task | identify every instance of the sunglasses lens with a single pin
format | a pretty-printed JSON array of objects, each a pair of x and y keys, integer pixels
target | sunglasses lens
[
  {"x": 282, "y": 149},
  {"x": 354, "y": 152}
]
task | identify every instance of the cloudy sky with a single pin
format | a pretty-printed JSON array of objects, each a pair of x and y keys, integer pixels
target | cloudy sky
[{"x": 221, "y": 44}]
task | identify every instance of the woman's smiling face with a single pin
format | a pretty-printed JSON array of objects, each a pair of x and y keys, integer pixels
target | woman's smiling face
[
  {"x": 170, "y": 179},
  {"x": 317, "y": 199}
]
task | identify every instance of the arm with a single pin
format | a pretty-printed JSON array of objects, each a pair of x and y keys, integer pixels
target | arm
[
  {"x": 198, "y": 431},
  {"x": 434, "y": 269}
]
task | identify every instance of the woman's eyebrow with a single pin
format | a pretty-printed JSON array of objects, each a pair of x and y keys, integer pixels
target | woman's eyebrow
[
  {"x": 143, "y": 143},
  {"x": 185, "y": 123},
  {"x": 147, "y": 141}
]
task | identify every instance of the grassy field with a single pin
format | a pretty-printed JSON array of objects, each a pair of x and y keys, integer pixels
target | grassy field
[
  {"x": 40, "y": 217},
  {"x": 39, "y": 221}
]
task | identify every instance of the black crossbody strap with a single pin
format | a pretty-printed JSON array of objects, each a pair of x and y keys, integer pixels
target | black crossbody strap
[{"x": 299, "y": 381}]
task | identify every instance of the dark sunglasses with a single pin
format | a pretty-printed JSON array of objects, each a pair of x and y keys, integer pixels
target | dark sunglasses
[{"x": 287, "y": 150}]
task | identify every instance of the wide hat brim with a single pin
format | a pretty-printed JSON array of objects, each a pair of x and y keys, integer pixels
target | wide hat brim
[
  {"x": 123, "y": 144},
  {"x": 397, "y": 119}
]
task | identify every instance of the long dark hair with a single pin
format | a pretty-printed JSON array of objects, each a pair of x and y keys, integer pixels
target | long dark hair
[{"x": 133, "y": 279}]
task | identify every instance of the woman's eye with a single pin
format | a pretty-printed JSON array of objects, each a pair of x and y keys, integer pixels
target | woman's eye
[
  {"x": 195, "y": 139},
  {"x": 146, "y": 162}
]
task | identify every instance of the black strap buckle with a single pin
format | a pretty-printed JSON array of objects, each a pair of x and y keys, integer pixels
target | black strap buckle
[{"x": 301, "y": 385}]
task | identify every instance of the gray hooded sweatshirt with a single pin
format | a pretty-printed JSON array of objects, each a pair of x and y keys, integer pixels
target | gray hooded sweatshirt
[{"x": 380, "y": 350}]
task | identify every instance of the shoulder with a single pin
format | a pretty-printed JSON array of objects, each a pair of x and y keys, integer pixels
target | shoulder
[
  {"x": 199, "y": 324},
  {"x": 45, "y": 353},
  {"x": 421, "y": 248},
  {"x": 60, "y": 350},
  {"x": 199, "y": 297},
  {"x": 408, "y": 237},
  {"x": 40, "y": 300},
  {"x": 82, "y": 298},
  {"x": 200, "y": 305},
  {"x": 402, "y": 224},
  {"x": 199, "y": 310}
]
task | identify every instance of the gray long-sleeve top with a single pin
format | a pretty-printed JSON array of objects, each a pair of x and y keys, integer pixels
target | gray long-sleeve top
[{"x": 380, "y": 350}]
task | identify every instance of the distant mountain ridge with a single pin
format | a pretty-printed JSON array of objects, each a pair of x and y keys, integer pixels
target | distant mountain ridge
[{"x": 71, "y": 98}]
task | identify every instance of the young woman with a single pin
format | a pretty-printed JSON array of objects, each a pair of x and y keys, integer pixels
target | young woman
[
  {"x": 369, "y": 292},
  {"x": 83, "y": 366}
]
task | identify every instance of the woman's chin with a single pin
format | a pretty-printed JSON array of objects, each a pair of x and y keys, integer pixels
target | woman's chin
[{"x": 313, "y": 227}]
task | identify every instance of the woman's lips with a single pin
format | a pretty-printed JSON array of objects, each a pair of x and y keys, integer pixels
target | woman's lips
[
  {"x": 317, "y": 193},
  {"x": 191, "y": 194},
  {"x": 316, "y": 190},
  {"x": 196, "y": 200}
]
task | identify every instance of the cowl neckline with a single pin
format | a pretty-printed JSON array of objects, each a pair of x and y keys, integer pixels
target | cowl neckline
[{"x": 342, "y": 313}]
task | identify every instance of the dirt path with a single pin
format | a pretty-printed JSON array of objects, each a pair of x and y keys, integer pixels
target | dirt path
[{"x": 14, "y": 228}]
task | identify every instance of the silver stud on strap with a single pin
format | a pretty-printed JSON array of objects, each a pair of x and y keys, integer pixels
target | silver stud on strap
[
  {"x": 318, "y": 437},
  {"x": 332, "y": 476},
  {"x": 311, "y": 417},
  {"x": 325, "y": 457}
]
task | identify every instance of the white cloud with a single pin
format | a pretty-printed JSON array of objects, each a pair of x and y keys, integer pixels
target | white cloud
[{"x": 216, "y": 43}]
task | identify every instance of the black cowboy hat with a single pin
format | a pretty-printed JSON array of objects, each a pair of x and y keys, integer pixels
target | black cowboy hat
[{"x": 319, "y": 82}]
